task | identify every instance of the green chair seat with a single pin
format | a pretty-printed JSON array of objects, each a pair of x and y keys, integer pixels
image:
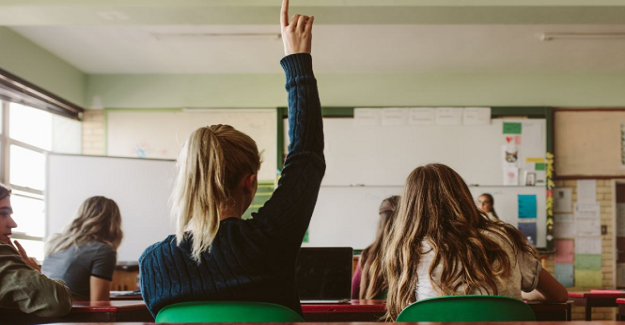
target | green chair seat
[
  {"x": 473, "y": 308},
  {"x": 227, "y": 312}
]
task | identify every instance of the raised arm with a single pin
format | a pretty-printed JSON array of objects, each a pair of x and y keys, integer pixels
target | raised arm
[{"x": 286, "y": 215}]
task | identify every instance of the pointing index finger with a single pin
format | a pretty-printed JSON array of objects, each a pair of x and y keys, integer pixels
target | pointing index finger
[
  {"x": 284, "y": 13},
  {"x": 21, "y": 249}
]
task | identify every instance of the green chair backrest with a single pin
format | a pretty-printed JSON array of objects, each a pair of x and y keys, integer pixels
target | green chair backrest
[
  {"x": 227, "y": 312},
  {"x": 473, "y": 308}
]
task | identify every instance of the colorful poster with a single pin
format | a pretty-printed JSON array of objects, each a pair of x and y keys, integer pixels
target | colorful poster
[
  {"x": 588, "y": 278},
  {"x": 564, "y": 251},
  {"x": 527, "y": 206},
  {"x": 564, "y": 274},
  {"x": 529, "y": 231},
  {"x": 512, "y": 128},
  {"x": 588, "y": 262}
]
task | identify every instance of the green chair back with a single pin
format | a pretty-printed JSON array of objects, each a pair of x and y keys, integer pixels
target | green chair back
[
  {"x": 473, "y": 308},
  {"x": 227, "y": 312}
]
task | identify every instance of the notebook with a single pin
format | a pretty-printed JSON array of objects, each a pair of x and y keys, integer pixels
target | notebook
[{"x": 324, "y": 274}]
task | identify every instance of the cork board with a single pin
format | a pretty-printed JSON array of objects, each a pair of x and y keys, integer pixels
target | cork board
[{"x": 588, "y": 143}]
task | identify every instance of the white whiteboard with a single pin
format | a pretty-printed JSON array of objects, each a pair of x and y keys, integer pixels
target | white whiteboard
[
  {"x": 348, "y": 215},
  {"x": 140, "y": 187},
  {"x": 385, "y": 155},
  {"x": 161, "y": 134}
]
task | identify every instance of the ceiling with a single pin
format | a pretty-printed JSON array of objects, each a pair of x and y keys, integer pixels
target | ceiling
[
  {"x": 336, "y": 48},
  {"x": 350, "y": 36}
]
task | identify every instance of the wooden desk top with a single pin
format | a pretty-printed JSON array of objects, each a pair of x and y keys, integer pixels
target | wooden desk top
[
  {"x": 597, "y": 294},
  {"x": 107, "y": 306},
  {"x": 373, "y": 323}
]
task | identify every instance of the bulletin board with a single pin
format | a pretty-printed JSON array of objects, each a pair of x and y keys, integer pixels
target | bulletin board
[{"x": 589, "y": 143}]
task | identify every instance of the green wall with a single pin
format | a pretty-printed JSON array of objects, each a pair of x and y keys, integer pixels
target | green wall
[
  {"x": 27, "y": 60},
  {"x": 267, "y": 90}
]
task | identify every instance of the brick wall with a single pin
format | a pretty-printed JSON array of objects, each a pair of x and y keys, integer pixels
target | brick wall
[
  {"x": 93, "y": 140},
  {"x": 605, "y": 197}
]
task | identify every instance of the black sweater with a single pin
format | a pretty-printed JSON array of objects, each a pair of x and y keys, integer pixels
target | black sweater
[{"x": 252, "y": 260}]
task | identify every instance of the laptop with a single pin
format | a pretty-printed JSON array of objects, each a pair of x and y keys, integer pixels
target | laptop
[{"x": 324, "y": 275}]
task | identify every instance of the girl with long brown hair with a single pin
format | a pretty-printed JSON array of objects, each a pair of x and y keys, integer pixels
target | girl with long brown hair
[
  {"x": 368, "y": 281},
  {"x": 84, "y": 255},
  {"x": 442, "y": 244},
  {"x": 215, "y": 254}
]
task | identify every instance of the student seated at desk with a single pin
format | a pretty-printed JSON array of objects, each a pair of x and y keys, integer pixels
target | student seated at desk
[
  {"x": 22, "y": 286},
  {"x": 368, "y": 281},
  {"x": 84, "y": 255},
  {"x": 215, "y": 254},
  {"x": 442, "y": 244},
  {"x": 486, "y": 203}
]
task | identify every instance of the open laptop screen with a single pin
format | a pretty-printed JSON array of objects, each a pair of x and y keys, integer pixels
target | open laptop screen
[{"x": 324, "y": 273}]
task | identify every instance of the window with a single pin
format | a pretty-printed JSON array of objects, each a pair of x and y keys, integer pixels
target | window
[{"x": 26, "y": 135}]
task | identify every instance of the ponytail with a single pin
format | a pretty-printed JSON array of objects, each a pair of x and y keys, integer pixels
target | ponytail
[{"x": 210, "y": 164}]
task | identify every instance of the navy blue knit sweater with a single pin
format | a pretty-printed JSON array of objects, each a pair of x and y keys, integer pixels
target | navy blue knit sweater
[{"x": 252, "y": 260}]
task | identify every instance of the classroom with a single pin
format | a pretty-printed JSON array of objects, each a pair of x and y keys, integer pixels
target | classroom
[{"x": 182, "y": 151}]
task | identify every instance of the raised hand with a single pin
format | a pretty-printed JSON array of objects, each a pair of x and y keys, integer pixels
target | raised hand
[
  {"x": 297, "y": 33},
  {"x": 27, "y": 260}
]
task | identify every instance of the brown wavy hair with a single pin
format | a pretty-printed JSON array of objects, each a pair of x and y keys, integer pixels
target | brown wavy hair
[
  {"x": 97, "y": 219},
  {"x": 373, "y": 281},
  {"x": 437, "y": 207}
]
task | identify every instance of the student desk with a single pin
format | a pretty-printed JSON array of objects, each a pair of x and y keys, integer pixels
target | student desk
[
  {"x": 85, "y": 311},
  {"x": 595, "y": 298},
  {"x": 136, "y": 311},
  {"x": 621, "y": 309}
]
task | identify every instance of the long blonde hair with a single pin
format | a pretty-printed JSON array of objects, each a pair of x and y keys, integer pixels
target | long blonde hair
[
  {"x": 211, "y": 163},
  {"x": 437, "y": 206},
  {"x": 97, "y": 219},
  {"x": 373, "y": 281}
]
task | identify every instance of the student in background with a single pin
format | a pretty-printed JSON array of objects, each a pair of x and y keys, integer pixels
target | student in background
[
  {"x": 368, "y": 281},
  {"x": 22, "y": 286},
  {"x": 486, "y": 203},
  {"x": 84, "y": 255},
  {"x": 216, "y": 255},
  {"x": 441, "y": 245}
]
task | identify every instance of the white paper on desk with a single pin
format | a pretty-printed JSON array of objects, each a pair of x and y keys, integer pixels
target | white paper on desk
[
  {"x": 562, "y": 199},
  {"x": 587, "y": 245},
  {"x": 587, "y": 211},
  {"x": 564, "y": 230},
  {"x": 367, "y": 116},
  {"x": 476, "y": 116},
  {"x": 511, "y": 176},
  {"x": 449, "y": 115},
  {"x": 587, "y": 227},
  {"x": 422, "y": 116},
  {"x": 532, "y": 135},
  {"x": 586, "y": 191},
  {"x": 394, "y": 116},
  {"x": 620, "y": 275}
]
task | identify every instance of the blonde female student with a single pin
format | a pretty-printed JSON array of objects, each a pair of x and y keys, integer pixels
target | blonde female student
[
  {"x": 84, "y": 255},
  {"x": 216, "y": 255},
  {"x": 369, "y": 281},
  {"x": 442, "y": 245}
]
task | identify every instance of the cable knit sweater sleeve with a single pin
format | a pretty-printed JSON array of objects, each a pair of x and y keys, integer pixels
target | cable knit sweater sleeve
[{"x": 286, "y": 215}]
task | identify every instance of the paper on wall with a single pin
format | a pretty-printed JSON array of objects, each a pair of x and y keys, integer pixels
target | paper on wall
[
  {"x": 532, "y": 135},
  {"x": 564, "y": 274},
  {"x": 588, "y": 278},
  {"x": 510, "y": 155},
  {"x": 587, "y": 227},
  {"x": 588, "y": 261},
  {"x": 562, "y": 199},
  {"x": 449, "y": 116},
  {"x": 564, "y": 230},
  {"x": 587, "y": 211},
  {"x": 394, "y": 116},
  {"x": 586, "y": 191},
  {"x": 587, "y": 245},
  {"x": 367, "y": 116},
  {"x": 422, "y": 116},
  {"x": 510, "y": 176},
  {"x": 564, "y": 251},
  {"x": 476, "y": 116}
]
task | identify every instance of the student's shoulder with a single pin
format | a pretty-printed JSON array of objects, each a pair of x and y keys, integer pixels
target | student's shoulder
[{"x": 156, "y": 248}]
